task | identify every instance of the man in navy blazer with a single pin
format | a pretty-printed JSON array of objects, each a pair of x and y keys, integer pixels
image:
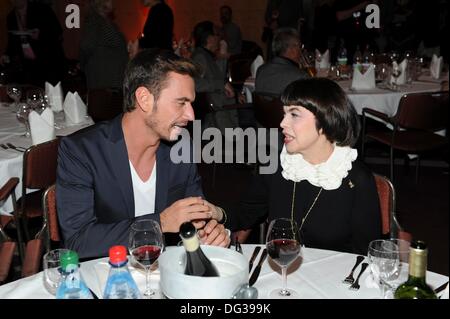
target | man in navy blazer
[{"x": 101, "y": 168}]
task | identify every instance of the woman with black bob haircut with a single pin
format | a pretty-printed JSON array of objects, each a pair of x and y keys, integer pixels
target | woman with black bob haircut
[{"x": 319, "y": 183}]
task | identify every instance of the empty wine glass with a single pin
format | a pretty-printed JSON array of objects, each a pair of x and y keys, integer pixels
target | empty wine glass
[
  {"x": 396, "y": 72},
  {"x": 52, "y": 269},
  {"x": 283, "y": 247},
  {"x": 34, "y": 99},
  {"x": 388, "y": 261},
  {"x": 15, "y": 93},
  {"x": 145, "y": 245},
  {"x": 22, "y": 113}
]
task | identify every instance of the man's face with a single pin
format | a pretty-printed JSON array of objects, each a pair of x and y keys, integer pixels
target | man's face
[{"x": 173, "y": 109}]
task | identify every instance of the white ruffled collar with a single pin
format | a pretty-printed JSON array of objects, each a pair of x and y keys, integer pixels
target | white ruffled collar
[{"x": 328, "y": 175}]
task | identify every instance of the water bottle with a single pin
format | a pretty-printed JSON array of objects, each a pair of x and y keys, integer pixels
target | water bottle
[
  {"x": 72, "y": 285},
  {"x": 357, "y": 59},
  {"x": 197, "y": 264},
  {"x": 342, "y": 54},
  {"x": 120, "y": 283}
]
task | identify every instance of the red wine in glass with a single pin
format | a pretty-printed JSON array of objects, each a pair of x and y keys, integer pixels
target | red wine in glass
[
  {"x": 146, "y": 255},
  {"x": 283, "y": 251}
]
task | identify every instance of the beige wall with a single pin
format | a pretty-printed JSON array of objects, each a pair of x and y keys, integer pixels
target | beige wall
[{"x": 131, "y": 15}]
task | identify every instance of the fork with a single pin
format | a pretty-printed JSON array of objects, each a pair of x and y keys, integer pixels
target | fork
[
  {"x": 355, "y": 285},
  {"x": 349, "y": 279}
]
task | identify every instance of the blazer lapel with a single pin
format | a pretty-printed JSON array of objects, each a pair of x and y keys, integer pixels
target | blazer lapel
[
  {"x": 162, "y": 177},
  {"x": 120, "y": 164}
]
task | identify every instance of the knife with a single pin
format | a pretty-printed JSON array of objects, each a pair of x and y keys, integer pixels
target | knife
[
  {"x": 252, "y": 259},
  {"x": 257, "y": 270},
  {"x": 16, "y": 148}
]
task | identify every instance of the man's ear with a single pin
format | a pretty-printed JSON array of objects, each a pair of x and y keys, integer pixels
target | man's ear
[{"x": 144, "y": 99}]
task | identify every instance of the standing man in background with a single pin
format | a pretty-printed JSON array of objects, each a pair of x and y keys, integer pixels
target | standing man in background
[
  {"x": 158, "y": 29},
  {"x": 230, "y": 30}
]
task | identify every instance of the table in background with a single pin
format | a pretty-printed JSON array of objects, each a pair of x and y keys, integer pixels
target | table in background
[
  {"x": 12, "y": 131},
  {"x": 318, "y": 274}
]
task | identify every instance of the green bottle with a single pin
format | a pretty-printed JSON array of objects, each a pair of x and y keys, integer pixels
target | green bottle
[{"x": 416, "y": 287}]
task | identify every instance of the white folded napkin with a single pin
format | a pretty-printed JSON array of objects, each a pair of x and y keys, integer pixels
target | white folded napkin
[
  {"x": 436, "y": 66},
  {"x": 322, "y": 60},
  {"x": 402, "y": 77},
  {"x": 255, "y": 65},
  {"x": 55, "y": 96},
  {"x": 364, "y": 81},
  {"x": 42, "y": 126},
  {"x": 75, "y": 110}
]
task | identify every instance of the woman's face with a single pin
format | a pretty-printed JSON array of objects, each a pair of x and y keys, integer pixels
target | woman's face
[
  {"x": 106, "y": 6},
  {"x": 299, "y": 130}
]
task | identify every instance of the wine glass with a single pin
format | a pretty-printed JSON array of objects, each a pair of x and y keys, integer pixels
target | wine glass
[
  {"x": 283, "y": 246},
  {"x": 22, "y": 113},
  {"x": 14, "y": 92},
  {"x": 34, "y": 99},
  {"x": 388, "y": 259},
  {"x": 52, "y": 269},
  {"x": 396, "y": 72},
  {"x": 145, "y": 245}
]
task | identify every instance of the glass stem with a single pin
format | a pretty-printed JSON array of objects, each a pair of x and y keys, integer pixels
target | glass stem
[
  {"x": 284, "y": 291},
  {"x": 383, "y": 290},
  {"x": 148, "y": 292}
]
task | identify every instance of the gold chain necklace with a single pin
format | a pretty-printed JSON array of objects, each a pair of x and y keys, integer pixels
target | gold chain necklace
[{"x": 309, "y": 210}]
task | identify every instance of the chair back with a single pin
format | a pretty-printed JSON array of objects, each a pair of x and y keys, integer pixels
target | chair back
[
  {"x": 104, "y": 104},
  {"x": 39, "y": 165},
  {"x": 268, "y": 110},
  {"x": 7, "y": 190},
  {"x": 423, "y": 111},
  {"x": 6, "y": 256},
  {"x": 33, "y": 257},
  {"x": 386, "y": 196},
  {"x": 50, "y": 216}
]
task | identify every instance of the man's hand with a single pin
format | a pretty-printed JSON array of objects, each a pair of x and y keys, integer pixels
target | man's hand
[
  {"x": 192, "y": 209},
  {"x": 216, "y": 213},
  {"x": 214, "y": 234},
  {"x": 35, "y": 34},
  {"x": 229, "y": 91}
]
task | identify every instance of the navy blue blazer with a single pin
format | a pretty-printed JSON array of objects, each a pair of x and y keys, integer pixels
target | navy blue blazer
[{"x": 94, "y": 191}]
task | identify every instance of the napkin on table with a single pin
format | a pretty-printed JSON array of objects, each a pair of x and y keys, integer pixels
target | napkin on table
[
  {"x": 436, "y": 66},
  {"x": 75, "y": 110},
  {"x": 42, "y": 126},
  {"x": 364, "y": 81},
  {"x": 55, "y": 96},
  {"x": 255, "y": 65},
  {"x": 324, "y": 61}
]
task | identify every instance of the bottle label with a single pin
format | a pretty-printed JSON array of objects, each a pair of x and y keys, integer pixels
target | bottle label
[{"x": 191, "y": 244}]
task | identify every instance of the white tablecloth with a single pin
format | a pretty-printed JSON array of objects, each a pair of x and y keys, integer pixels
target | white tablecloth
[
  {"x": 381, "y": 100},
  {"x": 318, "y": 274},
  {"x": 11, "y": 161}
]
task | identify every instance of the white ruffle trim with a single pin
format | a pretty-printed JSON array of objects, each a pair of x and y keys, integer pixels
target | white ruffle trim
[{"x": 328, "y": 175}]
